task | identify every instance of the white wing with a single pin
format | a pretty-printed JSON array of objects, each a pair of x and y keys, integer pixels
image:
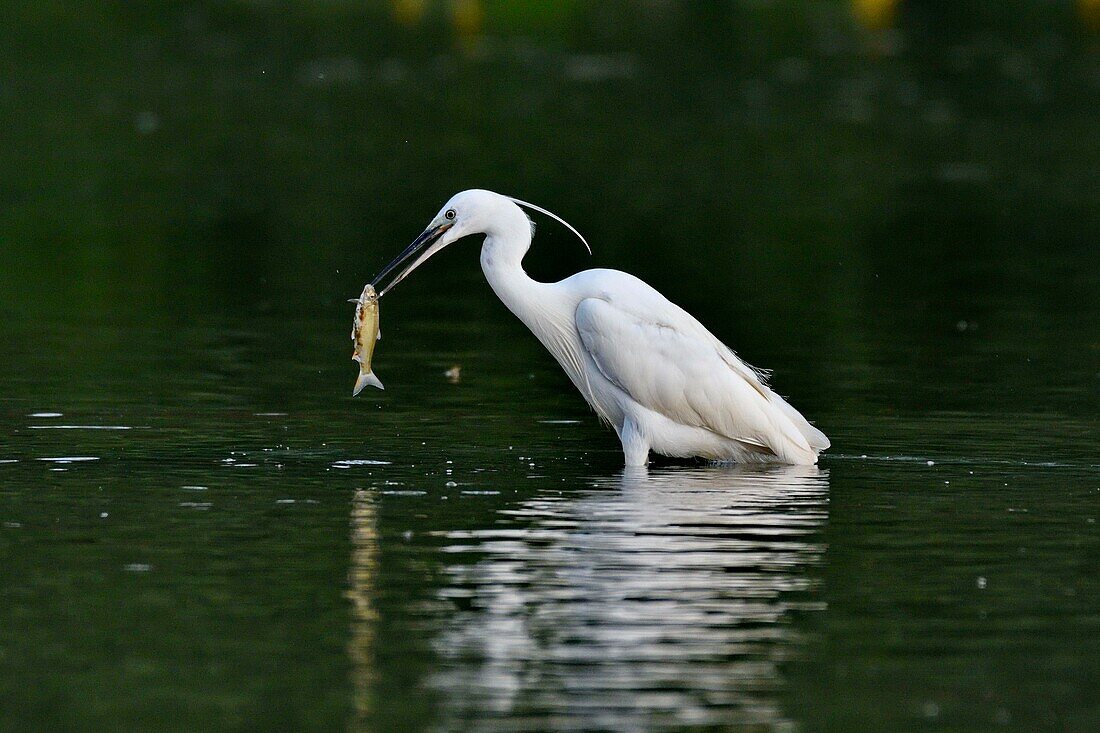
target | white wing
[{"x": 666, "y": 361}]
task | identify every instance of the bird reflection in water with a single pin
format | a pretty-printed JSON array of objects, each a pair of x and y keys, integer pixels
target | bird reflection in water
[{"x": 651, "y": 599}]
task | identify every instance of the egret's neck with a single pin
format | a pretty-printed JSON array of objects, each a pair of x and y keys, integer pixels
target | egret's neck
[
  {"x": 545, "y": 308},
  {"x": 502, "y": 262}
]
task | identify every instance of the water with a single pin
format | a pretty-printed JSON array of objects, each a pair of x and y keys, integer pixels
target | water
[{"x": 201, "y": 529}]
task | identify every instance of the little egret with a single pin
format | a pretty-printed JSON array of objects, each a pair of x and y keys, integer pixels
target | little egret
[{"x": 644, "y": 364}]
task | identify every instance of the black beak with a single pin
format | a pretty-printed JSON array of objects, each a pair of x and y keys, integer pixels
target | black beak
[{"x": 426, "y": 239}]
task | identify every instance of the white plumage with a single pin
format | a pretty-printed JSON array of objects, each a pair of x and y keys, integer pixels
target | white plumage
[{"x": 644, "y": 364}]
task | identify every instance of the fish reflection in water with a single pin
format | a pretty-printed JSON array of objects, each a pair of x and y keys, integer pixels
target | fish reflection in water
[
  {"x": 654, "y": 600},
  {"x": 362, "y": 576}
]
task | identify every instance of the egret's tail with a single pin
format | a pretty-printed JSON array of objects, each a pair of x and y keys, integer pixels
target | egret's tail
[
  {"x": 816, "y": 439},
  {"x": 366, "y": 378}
]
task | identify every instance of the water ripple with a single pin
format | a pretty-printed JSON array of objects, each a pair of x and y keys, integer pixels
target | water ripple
[{"x": 80, "y": 427}]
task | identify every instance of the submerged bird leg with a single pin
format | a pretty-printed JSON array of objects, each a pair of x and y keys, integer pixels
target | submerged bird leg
[{"x": 635, "y": 444}]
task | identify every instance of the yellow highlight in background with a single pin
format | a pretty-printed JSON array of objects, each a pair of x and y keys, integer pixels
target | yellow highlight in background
[
  {"x": 1089, "y": 11},
  {"x": 875, "y": 14}
]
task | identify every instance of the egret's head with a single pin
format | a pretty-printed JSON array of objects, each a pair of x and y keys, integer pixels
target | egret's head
[{"x": 470, "y": 212}]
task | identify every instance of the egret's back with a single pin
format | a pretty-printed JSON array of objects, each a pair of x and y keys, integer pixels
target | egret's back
[{"x": 673, "y": 370}]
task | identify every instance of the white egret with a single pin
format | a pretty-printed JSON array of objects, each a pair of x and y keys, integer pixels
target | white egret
[{"x": 645, "y": 365}]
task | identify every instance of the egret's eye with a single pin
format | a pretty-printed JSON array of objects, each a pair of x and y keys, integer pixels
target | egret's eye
[{"x": 450, "y": 214}]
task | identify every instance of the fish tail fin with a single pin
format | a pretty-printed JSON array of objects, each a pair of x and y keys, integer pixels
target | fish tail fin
[{"x": 365, "y": 379}]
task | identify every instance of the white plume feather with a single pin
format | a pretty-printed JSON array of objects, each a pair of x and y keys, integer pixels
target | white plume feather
[{"x": 555, "y": 217}]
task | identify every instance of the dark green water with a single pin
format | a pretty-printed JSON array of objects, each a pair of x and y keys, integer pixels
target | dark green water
[{"x": 201, "y": 530}]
